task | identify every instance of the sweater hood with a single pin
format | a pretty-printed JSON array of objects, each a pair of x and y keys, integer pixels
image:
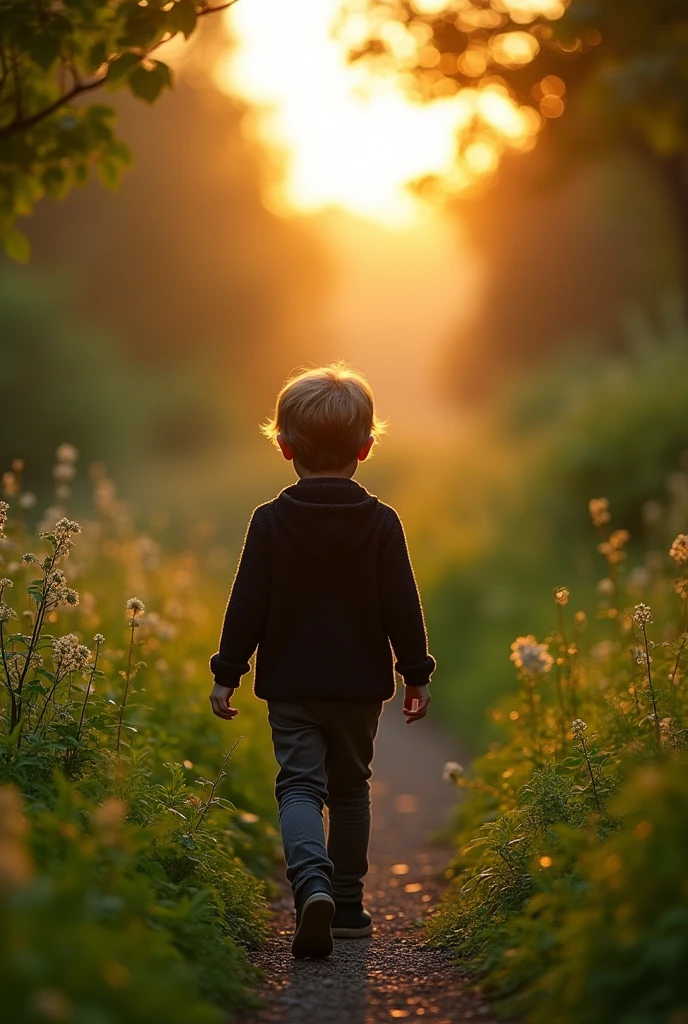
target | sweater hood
[{"x": 328, "y": 517}]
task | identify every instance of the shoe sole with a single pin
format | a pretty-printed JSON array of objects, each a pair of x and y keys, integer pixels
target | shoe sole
[
  {"x": 313, "y": 936},
  {"x": 353, "y": 933}
]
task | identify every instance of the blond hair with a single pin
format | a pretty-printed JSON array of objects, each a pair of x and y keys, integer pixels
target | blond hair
[{"x": 325, "y": 415}]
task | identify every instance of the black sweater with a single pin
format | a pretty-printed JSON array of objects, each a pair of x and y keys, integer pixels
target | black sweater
[{"x": 324, "y": 585}]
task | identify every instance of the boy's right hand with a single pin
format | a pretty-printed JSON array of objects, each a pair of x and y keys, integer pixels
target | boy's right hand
[
  {"x": 416, "y": 701},
  {"x": 219, "y": 702}
]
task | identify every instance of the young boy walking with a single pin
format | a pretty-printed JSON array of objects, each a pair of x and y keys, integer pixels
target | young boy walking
[{"x": 324, "y": 587}]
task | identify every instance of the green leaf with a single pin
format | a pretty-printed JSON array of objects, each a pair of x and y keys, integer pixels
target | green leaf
[
  {"x": 147, "y": 85},
  {"x": 97, "y": 55},
  {"x": 44, "y": 49},
  {"x": 122, "y": 66},
  {"x": 17, "y": 246},
  {"x": 109, "y": 173},
  {"x": 182, "y": 17},
  {"x": 55, "y": 182}
]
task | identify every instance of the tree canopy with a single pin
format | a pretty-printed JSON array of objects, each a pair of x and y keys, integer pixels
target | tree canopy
[
  {"x": 622, "y": 63},
  {"x": 53, "y": 55}
]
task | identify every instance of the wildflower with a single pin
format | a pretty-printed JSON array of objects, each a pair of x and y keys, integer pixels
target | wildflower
[
  {"x": 681, "y": 587},
  {"x": 6, "y": 613},
  {"x": 99, "y": 638},
  {"x": 134, "y": 607},
  {"x": 27, "y": 500},
  {"x": 69, "y": 654},
  {"x": 452, "y": 771},
  {"x": 599, "y": 511},
  {"x": 561, "y": 595},
  {"x": 530, "y": 656},
  {"x": 642, "y": 614},
  {"x": 30, "y": 558},
  {"x": 578, "y": 728},
  {"x": 61, "y": 536},
  {"x": 66, "y": 453},
  {"x": 4, "y": 509},
  {"x": 641, "y": 656},
  {"x": 64, "y": 471},
  {"x": 5, "y": 583},
  {"x": 10, "y": 484},
  {"x": 679, "y": 549}
]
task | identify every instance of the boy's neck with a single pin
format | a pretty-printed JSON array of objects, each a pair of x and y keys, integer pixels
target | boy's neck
[{"x": 341, "y": 474}]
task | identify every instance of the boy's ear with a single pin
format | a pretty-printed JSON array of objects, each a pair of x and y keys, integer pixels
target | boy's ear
[
  {"x": 286, "y": 449},
  {"x": 364, "y": 451}
]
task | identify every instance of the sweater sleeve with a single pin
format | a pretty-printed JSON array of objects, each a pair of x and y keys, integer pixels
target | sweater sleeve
[
  {"x": 402, "y": 614},
  {"x": 247, "y": 606}
]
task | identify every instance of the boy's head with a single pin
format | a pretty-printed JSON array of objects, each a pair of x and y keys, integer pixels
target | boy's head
[{"x": 325, "y": 419}]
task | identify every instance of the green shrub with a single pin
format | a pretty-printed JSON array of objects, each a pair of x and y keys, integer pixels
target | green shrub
[
  {"x": 134, "y": 839},
  {"x": 569, "y": 895}
]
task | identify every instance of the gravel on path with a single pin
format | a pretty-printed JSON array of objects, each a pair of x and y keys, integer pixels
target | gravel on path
[{"x": 392, "y": 975}]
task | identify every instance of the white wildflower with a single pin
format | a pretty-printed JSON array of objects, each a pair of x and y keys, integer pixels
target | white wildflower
[
  {"x": 64, "y": 471},
  {"x": 529, "y": 655},
  {"x": 578, "y": 728},
  {"x": 28, "y": 500},
  {"x": 4, "y": 509},
  {"x": 69, "y": 654},
  {"x": 561, "y": 596},
  {"x": 99, "y": 639},
  {"x": 6, "y": 613},
  {"x": 642, "y": 614},
  {"x": 66, "y": 452},
  {"x": 452, "y": 771},
  {"x": 134, "y": 610}
]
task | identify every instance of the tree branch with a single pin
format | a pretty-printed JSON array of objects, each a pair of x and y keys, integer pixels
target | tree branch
[{"x": 21, "y": 123}]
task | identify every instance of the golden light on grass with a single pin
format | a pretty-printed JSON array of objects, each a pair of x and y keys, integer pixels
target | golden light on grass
[{"x": 348, "y": 135}]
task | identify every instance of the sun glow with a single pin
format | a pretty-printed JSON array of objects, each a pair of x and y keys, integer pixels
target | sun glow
[{"x": 345, "y": 137}]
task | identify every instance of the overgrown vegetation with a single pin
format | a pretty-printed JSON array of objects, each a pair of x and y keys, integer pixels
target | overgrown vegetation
[
  {"x": 568, "y": 894},
  {"x": 133, "y": 830}
]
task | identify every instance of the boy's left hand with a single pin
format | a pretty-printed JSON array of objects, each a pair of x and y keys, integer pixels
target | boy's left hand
[
  {"x": 219, "y": 702},
  {"x": 416, "y": 701}
]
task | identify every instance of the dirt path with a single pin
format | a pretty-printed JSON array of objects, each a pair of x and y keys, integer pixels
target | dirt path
[{"x": 390, "y": 976}]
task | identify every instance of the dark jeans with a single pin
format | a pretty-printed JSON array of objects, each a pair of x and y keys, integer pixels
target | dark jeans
[{"x": 324, "y": 750}]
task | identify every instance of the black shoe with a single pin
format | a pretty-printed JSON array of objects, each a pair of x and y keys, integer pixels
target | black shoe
[
  {"x": 314, "y": 912},
  {"x": 351, "y": 921}
]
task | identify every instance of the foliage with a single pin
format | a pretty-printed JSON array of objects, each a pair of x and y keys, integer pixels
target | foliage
[
  {"x": 51, "y": 55},
  {"x": 569, "y": 885},
  {"x": 131, "y": 835},
  {"x": 589, "y": 423},
  {"x": 626, "y": 62}
]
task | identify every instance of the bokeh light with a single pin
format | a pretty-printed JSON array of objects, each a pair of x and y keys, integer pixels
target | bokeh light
[{"x": 344, "y": 134}]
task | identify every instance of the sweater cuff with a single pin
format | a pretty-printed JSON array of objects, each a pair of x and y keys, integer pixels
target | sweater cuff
[
  {"x": 417, "y": 673},
  {"x": 228, "y": 673}
]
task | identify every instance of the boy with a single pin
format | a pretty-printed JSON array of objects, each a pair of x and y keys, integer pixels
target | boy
[{"x": 324, "y": 586}]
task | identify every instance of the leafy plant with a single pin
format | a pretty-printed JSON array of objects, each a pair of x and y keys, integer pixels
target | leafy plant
[
  {"x": 568, "y": 895},
  {"x": 130, "y": 846},
  {"x": 51, "y": 57}
]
